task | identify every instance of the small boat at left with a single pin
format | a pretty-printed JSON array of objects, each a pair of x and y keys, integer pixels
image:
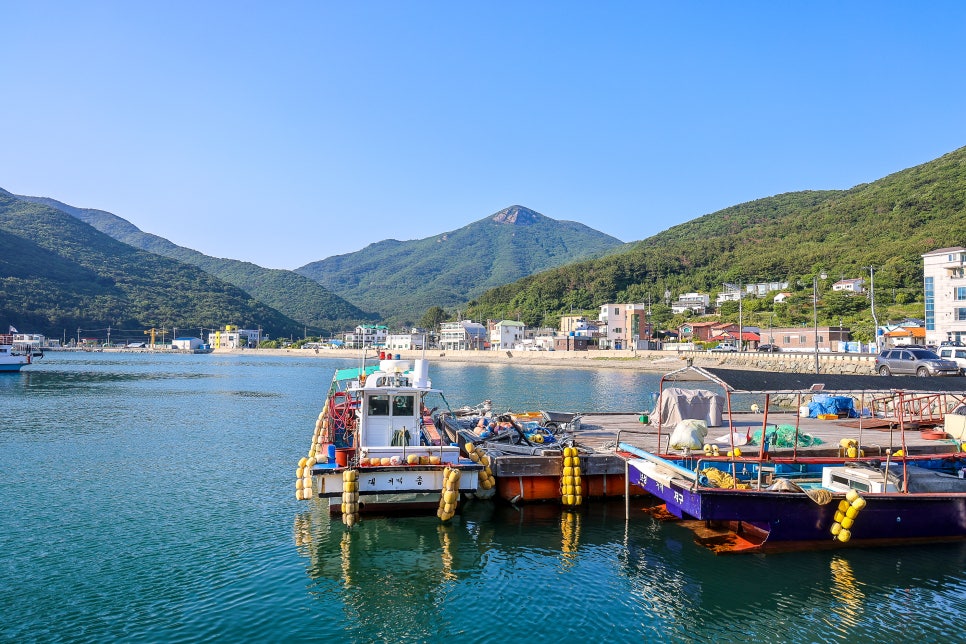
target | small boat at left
[
  {"x": 12, "y": 356},
  {"x": 376, "y": 449}
]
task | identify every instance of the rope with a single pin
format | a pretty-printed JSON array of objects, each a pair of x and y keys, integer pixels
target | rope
[{"x": 821, "y": 496}]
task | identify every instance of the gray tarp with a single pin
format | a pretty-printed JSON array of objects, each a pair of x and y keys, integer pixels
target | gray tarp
[{"x": 678, "y": 404}]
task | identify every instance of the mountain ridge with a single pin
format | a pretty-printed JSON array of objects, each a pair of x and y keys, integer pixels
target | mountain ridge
[
  {"x": 292, "y": 294},
  {"x": 58, "y": 274},
  {"x": 401, "y": 279}
]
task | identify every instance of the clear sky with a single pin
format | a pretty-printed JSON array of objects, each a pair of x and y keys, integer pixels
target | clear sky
[{"x": 286, "y": 132}]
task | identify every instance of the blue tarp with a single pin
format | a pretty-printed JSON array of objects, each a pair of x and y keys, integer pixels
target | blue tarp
[{"x": 826, "y": 404}]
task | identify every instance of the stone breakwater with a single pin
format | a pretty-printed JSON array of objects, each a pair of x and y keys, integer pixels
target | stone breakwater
[{"x": 658, "y": 361}]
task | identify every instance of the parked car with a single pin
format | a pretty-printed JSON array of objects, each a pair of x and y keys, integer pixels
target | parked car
[
  {"x": 956, "y": 354},
  {"x": 770, "y": 348},
  {"x": 919, "y": 362},
  {"x": 724, "y": 346}
]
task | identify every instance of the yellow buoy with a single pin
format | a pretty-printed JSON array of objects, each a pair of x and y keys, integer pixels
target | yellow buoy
[
  {"x": 851, "y": 512},
  {"x": 843, "y": 505},
  {"x": 859, "y": 503},
  {"x": 839, "y": 516},
  {"x": 836, "y": 528},
  {"x": 844, "y": 535},
  {"x": 851, "y": 495},
  {"x": 848, "y": 522}
]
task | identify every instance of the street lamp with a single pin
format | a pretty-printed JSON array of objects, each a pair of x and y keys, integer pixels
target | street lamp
[{"x": 815, "y": 312}]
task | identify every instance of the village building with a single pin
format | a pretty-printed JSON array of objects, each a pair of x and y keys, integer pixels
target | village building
[
  {"x": 231, "y": 337},
  {"x": 458, "y": 336},
  {"x": 697, "y": 303},
  {"x": 506, "y": 334},
  {"x": 944, "y": 288},
  {"x": 367, "y": 335},
  {"x": 850, "y": 285},
  {"x": 415, "y": 340}
]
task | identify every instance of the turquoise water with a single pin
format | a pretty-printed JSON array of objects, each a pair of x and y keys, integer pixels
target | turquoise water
[{"x": 150, "y": 498}]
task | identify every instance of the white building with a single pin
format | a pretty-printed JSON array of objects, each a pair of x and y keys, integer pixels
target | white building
[
  {"x": 466, "y": 334},
  {"x": 367, "y": 335},
  {"x": 187, "y": 344},
  {"x": 944, "y": 285},
  {"x": 613, "y": 320},
  {"x": 507, "y": 334},
  {"x": 696, "y": 302},
  {"x": 412, "y": 341},
  {"x": 850, "y": 286},
  {"x": 231, "y": 337}
]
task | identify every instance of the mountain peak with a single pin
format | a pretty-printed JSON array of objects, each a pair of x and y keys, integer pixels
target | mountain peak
[{"x": 518, "y": 215}]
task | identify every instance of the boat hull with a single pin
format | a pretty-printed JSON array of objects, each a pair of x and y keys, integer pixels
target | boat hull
[
  {"x": 393, "y": 488},
  {"x": 523, "y": 489},
  {"x": 770, "y": 518}
]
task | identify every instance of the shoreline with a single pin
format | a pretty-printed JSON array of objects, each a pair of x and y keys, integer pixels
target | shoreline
[
  {"x": 649, "y": 361},
  {"x": 656, "y": 361}
]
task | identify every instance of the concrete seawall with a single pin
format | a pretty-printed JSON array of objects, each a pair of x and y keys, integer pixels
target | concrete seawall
[{"x": 659, "y": 361}]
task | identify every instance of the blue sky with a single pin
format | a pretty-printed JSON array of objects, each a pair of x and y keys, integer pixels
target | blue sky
[{"x": 283, "y": 133}]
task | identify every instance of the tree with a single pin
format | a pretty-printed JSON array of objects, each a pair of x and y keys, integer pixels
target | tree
[{"x": 433, "y": 317}]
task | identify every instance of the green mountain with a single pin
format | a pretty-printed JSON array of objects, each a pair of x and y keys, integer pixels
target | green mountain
[
  {"x": 401, "y": 279},
  {"x": 58, "y": 275},
  {"x": 887, "y": 224},
  {"x": 293, "y": 295}
]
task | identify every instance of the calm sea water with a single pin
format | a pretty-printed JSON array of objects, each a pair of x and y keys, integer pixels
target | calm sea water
[{"x": 150, "y": 498}]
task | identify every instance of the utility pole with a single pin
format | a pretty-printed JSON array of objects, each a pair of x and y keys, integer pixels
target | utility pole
[
  {"x": 741, "y": 346},
  {"x": 108, "y": 336},
  {"x": 875, "y": 320}
]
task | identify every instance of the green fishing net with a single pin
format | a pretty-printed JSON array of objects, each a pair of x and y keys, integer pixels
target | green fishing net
[{"x": 784, "y": 436}]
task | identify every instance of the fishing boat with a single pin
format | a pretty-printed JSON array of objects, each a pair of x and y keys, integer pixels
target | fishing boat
[
  {"x": 12, "y": 356},
  {"x": 376, "y": 448},
  {"x": 854, "y": 493}
]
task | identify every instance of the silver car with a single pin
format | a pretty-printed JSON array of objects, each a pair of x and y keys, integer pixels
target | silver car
[{"x": 918, "y": 362}]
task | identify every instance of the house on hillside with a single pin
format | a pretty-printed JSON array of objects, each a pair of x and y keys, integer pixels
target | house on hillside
[
  {"x": 781, "y": 297},
  {"x": 850, "y": 286},
  {"x": 697, "y": 303}
]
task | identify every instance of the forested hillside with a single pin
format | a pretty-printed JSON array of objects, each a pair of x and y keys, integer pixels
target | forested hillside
[
  {"x": 293, "y": 295},
  {"x": 887, "y": 224},
  {"x": 58, "y": 274},
  {"x": 401, "y": 279}
]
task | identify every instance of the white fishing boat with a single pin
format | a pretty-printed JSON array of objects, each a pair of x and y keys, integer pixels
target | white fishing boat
[
  {"x": 376, "y": 449},
  {"x": 12, "y": 357}
]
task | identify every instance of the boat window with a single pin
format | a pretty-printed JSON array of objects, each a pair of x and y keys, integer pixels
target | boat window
[
  {"x": 402, "y": 405},
  {"x": 378, "y": 405}
]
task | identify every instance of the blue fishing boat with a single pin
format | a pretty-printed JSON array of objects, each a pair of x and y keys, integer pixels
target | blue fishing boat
[{"x": 776, "y": 500}]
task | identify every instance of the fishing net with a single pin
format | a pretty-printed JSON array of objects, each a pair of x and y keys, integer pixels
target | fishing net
[
  {"x": 718, "y": 478},
  {"x": 784, "y": 436}
]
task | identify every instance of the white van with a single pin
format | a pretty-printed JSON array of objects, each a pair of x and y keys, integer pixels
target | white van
[{"x": 956, "y": 354}]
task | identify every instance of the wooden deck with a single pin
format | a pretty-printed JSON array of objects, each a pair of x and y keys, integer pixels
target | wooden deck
[{"x": 601, "y": 431}]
